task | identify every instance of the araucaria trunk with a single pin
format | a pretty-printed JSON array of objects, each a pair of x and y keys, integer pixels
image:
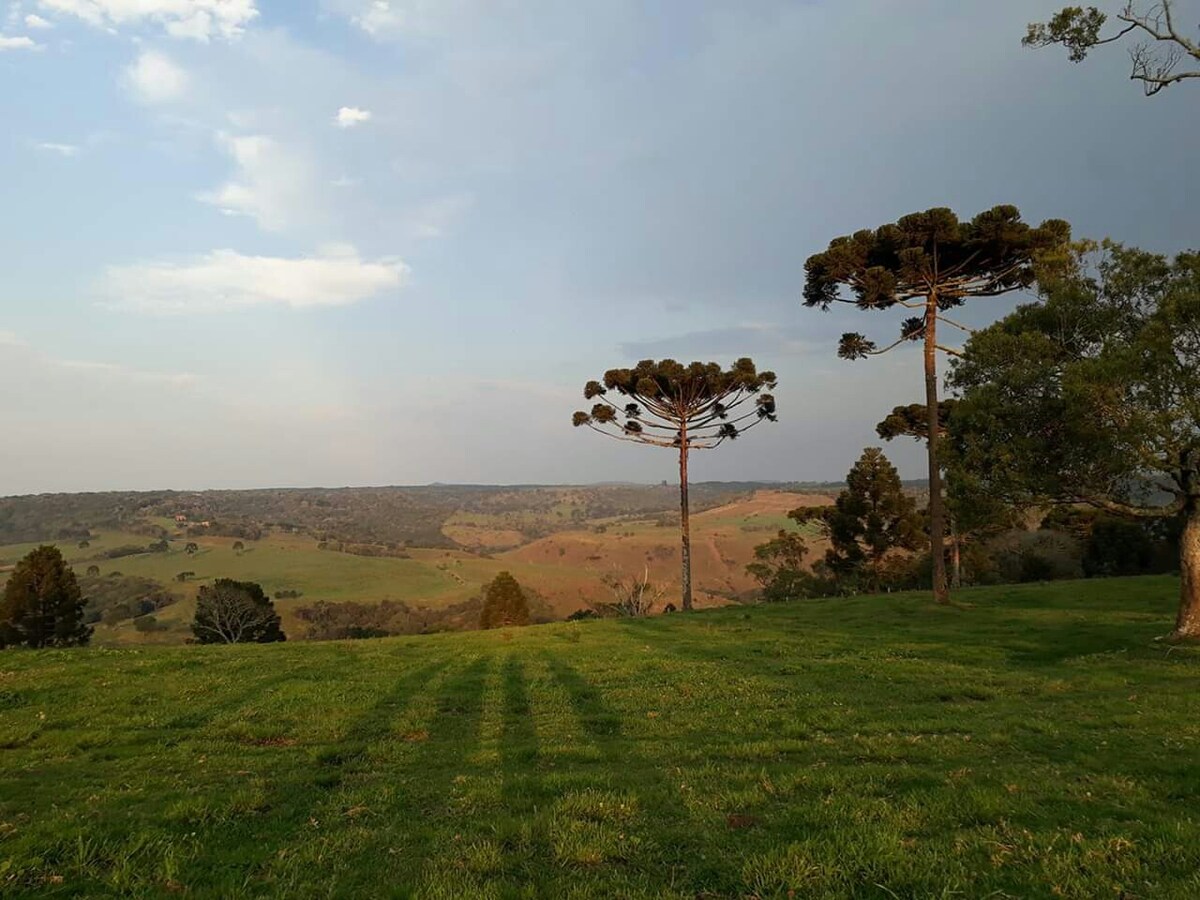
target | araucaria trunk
[
  {"x": 1187, "y": 625},
  {"x": 937, "y": 525},
  {"x": 685, "y": 532}
]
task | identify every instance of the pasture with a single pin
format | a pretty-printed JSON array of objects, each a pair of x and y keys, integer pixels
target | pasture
[
  {"x": 1038, "y": 742},
  {"x": 565, "y": 568}
]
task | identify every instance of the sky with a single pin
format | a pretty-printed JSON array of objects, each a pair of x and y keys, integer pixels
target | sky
[{"x": 252, "y": 243}]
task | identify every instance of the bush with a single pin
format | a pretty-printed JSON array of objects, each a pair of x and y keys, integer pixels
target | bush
[{"x": 146, "y": 624}]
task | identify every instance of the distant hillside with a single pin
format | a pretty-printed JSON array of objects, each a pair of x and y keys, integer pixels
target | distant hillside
[{"x": 411, "y": 516}]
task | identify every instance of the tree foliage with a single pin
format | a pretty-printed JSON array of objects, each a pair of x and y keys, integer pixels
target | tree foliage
[
  {"x": 1159, "y": 47},
  {"x": 42, "y": 604},
  {"x": 235, "y": 612},
  {"x": 929, "y": 262},
  {"x": 871, "y": 518},
  {"x": 912, "y": 421},
  {"x": 504, "y": 603},
  {"x": 779, "y": 569},
  {"x": 693, "y": 407},
  {"x": 1094, "y": 396}
]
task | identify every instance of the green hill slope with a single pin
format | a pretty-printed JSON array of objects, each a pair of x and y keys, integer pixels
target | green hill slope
[{"x": 1038, "y": 743}]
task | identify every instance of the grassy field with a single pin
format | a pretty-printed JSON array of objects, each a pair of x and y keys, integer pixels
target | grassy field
[{"x": 1038, "y": 743}]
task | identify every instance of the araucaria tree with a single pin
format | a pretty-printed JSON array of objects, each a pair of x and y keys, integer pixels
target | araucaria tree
[
  {"x": 504, "y": 603},
  {"x": 1160, "y": 42},
  {"x": 235, "y": 612},
  {"x": 929, "y": 262},
  {"x": 42, "y": 604},
  {"x": 870, "y": 520},
  {"x": 1094, "y": 397},
  {"x": 693, "y": 407}
]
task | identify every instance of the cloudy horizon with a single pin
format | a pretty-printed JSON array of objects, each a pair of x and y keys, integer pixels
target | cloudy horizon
[{"x": 253, "y": 243}]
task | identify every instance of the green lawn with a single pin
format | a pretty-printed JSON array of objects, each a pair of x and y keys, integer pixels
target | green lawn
[{"x": 1036, "y": 744}]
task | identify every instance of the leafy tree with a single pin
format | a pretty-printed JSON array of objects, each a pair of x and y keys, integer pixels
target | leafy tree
[
  {"x": 869, "y": 520},
  {"x": 191, "y": 548},
  {"x": 1161, "y": 45},
  {"x": 931, "y": 262},
  {"x": 238, "y": 546},
  {"x": 972, "y": 515},
  {"x": 184, "y": 576},
  {"x": 504, "y": 603},
  {"x": 83, "y": 545},
  {"x": 1094, "y": 397},
  {"x": 160, "y": 546},
  {"x": 693, "y": 407},
  {"x": 42, "y": 604},
  {"x": 93, "y": 569},
  {"x": 235, "y": 612},
  {"x": 778, "y": 567}
]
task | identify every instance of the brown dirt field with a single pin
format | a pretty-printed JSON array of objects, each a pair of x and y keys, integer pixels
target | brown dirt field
[
  {"x": 480, "y": 538},
  {"x": 721, "y": 548},
  {"x": 764, "y": 503}
]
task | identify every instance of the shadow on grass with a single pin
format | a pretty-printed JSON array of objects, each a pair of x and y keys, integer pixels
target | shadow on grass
[
  {"x": 412, "y": 826},
  {"x": 246, "y": 843},
  {"x": 519, "y": 746},
  {"x": 679, "y": 836}
]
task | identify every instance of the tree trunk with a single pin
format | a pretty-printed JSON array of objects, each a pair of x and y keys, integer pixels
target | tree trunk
[
  {"x": 1187, "y": 625},
  {"x": 937, "y": 524},
  {"x": 955, "y": 556},
  {"x": 685, "y": 528}
]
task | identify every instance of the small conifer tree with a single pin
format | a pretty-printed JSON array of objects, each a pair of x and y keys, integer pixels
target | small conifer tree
[
  {"x": 42, "y": 604},
  {"x": 504, "y": 603}
]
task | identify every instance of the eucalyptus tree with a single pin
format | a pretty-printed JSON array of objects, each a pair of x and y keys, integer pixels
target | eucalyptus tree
[
  {"x": 1093, "y": 397},
  {"x": 682, "y": 408},
  {"x": 929, "y": 262},
  {"x": 1159, "y": 45}
]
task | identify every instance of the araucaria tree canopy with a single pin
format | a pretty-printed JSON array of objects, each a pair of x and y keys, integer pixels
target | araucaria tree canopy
[
  {"x": 683, "y": 407},
  {"x": 928, "y": 262},
  {"x": 1094, "y": 397}
]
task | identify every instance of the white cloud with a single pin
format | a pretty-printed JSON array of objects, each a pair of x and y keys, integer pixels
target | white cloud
[
  {"x": 349, "y": 116},
  {"x": 30, "y": 354},
  {"x": 61, "y": 149},
  {"x": 434, "y": 218},
  {"x": 33, "y": 20},
  {"x": 155, "y": 78},
  {"x": 226, "y": 280},
  {"x": 18, "y": 43},
  {"x": 199, "y": 20},
  {"x": 345, "y": 181},
  {"x": 390, "y": 18},
  {"x": 378, "y": 18},
  {"x": 273, "y": 184}
]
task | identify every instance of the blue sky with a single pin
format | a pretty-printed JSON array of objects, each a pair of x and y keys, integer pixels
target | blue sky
[{"x": 253, "y": 242}]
